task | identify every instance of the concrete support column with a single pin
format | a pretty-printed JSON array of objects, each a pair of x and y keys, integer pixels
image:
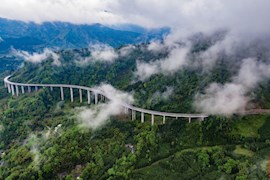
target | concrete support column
[
  {"x": 17, "y": 90},
  {"x": 133, "y": 115},
  {"x": 29, "y": 89},
  {"x": 80, "y": 92},
  {"x": 71, "y": 94},
  {"x": 22, "y": 89},
  {"x": 152, "y": 119},
  {"x": 62, "y": 93},
  {"x": 126, "y": 110},
  {"x": 164, "y": 119},
  {"x": 96, "y": 98},
  {"x": 51, "y": 88},
  {"x": 88, "y": 97},
  {"x": 12, "y": 90},
  {"x": 36, "y": 88},
  {"x": 189, "y": 119},
  {"x": 202, "y": 118},
  {"x": 9, "y": 88},
  {"x": 100, "y": 98},
  {"x": 142, "y": 117}
]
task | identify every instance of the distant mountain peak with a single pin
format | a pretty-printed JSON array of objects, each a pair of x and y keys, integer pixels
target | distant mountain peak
[{"x": 31, "y": 36}]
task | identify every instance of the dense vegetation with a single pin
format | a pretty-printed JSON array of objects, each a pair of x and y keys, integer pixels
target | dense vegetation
[
  {"x": 185, "y": 83},
  {"x": 42, "y": 139},
  {"x": 9, "y": 63},
  {"x": 35, "y": 145}
]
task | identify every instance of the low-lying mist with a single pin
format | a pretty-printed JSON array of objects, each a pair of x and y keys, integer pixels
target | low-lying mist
[{"x": 98, "y": 115}]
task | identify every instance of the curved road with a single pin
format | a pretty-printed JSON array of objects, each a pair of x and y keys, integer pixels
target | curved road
[{"x": 13, "y": 88}]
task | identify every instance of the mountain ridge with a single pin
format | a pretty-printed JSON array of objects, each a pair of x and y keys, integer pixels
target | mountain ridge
[{"x": 31, "y": 36}]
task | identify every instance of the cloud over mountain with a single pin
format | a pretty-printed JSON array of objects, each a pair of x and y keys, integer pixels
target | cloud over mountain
[
  {"x": 185, "y": 15},
  {"x": 97, "y": 116},
  {"x": 233, "y": 97},
  {"x": 38, "y": 57}
]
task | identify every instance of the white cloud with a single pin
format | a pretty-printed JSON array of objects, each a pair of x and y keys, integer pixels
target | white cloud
[
  {"x": 75, "y": 11},
  {"x": 166, "y": 94},
  {"x": 101, "y": 53},
  {"x": 245, "y": 20},
  {"x": 227, "y": 46},
  {"x": 222, "y": 99},
  {"x": 252, "y": 72},
  {"x": 38, "y": 57},
  {"x": 146, "y": 70},
  {"x": 187, "y": 15},
  {"x": 126, "y": 50},
  {"x": 156, "y": 46},
  {"x": 162, "y": 96},
  {"x": 33, "y": 142},
  {"x": 232, "y": 97},
  {"x": 98, "y": 115},
  {"x": 175, "y": 61}
]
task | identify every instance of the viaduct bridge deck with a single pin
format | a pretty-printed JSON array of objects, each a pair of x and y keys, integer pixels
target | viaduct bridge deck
[{"x": 13, "y": 87}]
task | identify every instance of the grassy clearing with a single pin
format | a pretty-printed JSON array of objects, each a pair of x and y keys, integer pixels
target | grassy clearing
[
  {"x": 248, "y": 126},
  {"x": 239, "y": 150}
]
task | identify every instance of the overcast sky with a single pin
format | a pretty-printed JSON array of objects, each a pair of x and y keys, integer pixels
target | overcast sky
[{"x": 189, "y": 15}]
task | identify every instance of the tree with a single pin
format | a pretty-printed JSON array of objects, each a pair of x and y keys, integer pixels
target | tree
[
  {"x": 203, "y": 159},
  {"x": 230, "y": 166}
]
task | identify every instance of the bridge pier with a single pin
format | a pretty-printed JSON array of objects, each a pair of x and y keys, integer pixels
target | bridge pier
[
  {"x": 22, "y": 87},
  {"x": 164, "y": 119},
  {"x": 133, "y": 115},
  {"x": 126, "y": 110},
  {"x": 62, "y": 93},
  {"x": 96, "y": 98},
  {"x": 80, "y": 93},
  {"x": 102, "y": 98},
  {"x": 88, "y": 97},
  {"x": 71, "y": 94},
  {"x": 152, "y": 119},
  {"x": 142, "y": 117},
  {"x": 9, "y": 88},
  {"x": 17, "y": 90},
  {"x": 12, "y": 90},
  {"x": 99, "y": 98}
]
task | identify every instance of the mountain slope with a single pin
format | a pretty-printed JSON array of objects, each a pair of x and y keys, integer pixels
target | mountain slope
[{"x": 31, "y": 36}]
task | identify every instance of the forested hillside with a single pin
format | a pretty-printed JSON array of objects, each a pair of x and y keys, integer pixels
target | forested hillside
[
  {"x": 42, "y": 138},
  {"x": 165, "y": 92}
]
